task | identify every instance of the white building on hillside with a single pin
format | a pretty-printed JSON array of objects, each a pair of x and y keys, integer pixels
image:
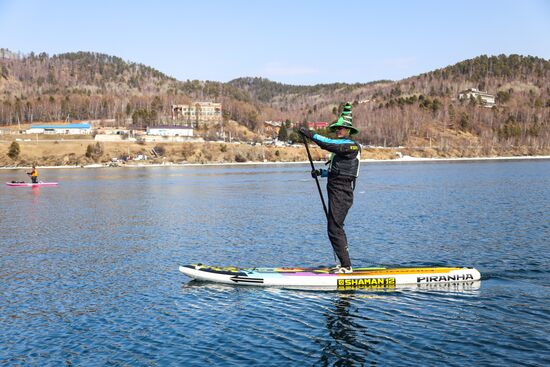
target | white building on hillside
[
  {"x": 197, "y": 112},
  {"x": 487, "y": 99}
]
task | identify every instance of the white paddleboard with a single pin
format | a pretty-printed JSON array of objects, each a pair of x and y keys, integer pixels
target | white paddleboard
[{"x": 321, "y": 277}]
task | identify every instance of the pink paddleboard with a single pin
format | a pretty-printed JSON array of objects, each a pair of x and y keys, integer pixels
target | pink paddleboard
[{"x": 26, "y": 184}]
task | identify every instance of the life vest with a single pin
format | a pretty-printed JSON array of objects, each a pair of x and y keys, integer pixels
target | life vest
[
  {"x": 344, "y": 157},
  {"x": 339, "y": 165}
]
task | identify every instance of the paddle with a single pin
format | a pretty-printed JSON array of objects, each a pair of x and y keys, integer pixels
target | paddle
[
  {"x": 316, "y": 178},
  {"x": 318, "y": 185}
]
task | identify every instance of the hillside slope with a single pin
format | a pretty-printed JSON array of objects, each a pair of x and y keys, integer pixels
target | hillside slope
[{"x": 420, "y": 111}]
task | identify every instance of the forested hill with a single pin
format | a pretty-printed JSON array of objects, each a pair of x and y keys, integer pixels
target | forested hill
[
  {"x": 421, "y": 111},
  {"x": 494, "y": 68},
  {"x": 425, "y": 110},
  {"x": 268, "y": 91},
  {"x": 88, "y": 85},
  {"x": 86, "y": 72}
]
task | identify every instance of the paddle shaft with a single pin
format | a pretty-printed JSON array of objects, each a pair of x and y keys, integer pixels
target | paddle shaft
[
  {"x": 318, "y": 186},
  {"x": 316, "y": 178}
]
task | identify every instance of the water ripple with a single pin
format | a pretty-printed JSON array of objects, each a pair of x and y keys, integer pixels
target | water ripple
[{"x": 95, "y": 281}]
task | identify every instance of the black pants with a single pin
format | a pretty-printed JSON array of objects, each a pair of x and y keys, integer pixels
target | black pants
[
  {"x": 340, "y": 200},
  {"x": 34, "y": 179}
]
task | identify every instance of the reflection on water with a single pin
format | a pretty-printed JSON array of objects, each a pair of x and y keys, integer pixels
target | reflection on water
[
  {"x": 346, "y": 347},
  {"x": 89, "y": 270}
]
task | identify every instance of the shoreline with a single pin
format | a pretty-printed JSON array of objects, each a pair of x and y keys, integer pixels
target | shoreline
[{"x": 404, "y": 159}]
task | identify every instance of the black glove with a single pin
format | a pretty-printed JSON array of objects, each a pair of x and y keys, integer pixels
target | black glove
[
  {"x": 306, "y": 132},
  {"x": 315, "y": 173}
]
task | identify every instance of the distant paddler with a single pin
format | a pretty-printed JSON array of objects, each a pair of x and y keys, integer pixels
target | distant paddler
[{"x": 33, "y": 174}]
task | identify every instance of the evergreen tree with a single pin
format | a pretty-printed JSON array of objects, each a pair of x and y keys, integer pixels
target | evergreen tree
[
  {"x": 452, "y": 113},
  {"x": 197, "y": 114},
  {"x": 156, "y": 105},
  {"x": 283, "y": 134},
  {"x": 14, "y": 150},
  {"x": 5, "y": 72},
  {"x": 94, "y": 151},
  {"x": 294, "y": 137},
  {"x": 464, "y": 121}
]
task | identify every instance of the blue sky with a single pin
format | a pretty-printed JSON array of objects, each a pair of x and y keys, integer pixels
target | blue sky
[{"x": 295, "y": 42}]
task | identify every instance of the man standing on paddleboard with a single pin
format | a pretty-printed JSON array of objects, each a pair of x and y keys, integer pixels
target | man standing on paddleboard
[
  {"x": 342, "y": 173},
  {"x": 34, "y": 174}
]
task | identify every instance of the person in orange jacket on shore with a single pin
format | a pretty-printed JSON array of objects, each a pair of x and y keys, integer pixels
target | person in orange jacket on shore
[{"x": 34, "y": 174}]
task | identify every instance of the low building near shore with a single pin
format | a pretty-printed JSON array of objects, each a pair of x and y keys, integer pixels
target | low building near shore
[
  {"x": 112, "y": 131},
  {"x": 113, "y": 134},
  {"x": 317, "y": 125},
  {"x": 165, "y": 130},
  {"x": 69, "y": 129},
  {"x": 272, "y": 127},
  {"x": 169, "y": 134}
]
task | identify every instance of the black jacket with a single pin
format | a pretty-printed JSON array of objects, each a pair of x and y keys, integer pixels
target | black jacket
[{"x": 344, "y": 160}]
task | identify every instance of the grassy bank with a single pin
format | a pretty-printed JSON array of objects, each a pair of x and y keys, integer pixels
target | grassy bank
[{"x": 77, "y": 152}]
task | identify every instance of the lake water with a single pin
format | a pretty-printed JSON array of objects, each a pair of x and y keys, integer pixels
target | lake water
[{"x": 89, "y": 270}]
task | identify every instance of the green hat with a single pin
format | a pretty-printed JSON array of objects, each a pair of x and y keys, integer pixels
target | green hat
[{"x": 345, "y": 120}]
